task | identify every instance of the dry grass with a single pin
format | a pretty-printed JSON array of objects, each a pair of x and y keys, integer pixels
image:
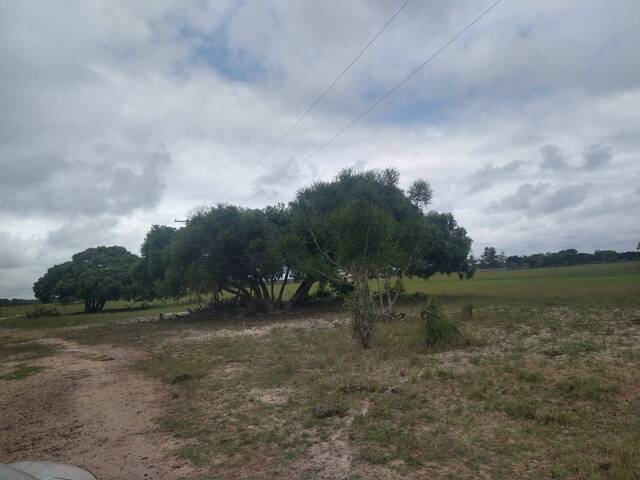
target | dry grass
[
  {"x": 542, "y": 392},
  {"x": 546, "y": 389}
]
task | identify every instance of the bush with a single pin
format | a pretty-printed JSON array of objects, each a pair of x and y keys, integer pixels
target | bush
[
  {"x": 40, "y": 312},
  {"x": 437, "y": 329},
  {"x": 363, "y": 315}
]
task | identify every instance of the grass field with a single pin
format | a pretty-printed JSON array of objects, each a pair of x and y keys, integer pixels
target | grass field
[
  {"x": 549, "y": 386},
  {"x": 612, "y": 283}
]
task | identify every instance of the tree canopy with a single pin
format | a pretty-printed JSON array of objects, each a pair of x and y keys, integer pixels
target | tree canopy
[
  {"x": 149, "y": 273},
  {"x": 94, "y": 275},
  {"x": 364, "y": 222},
  {"x": 238, "y": 250},
  {"x": 363, "y": 226},
  {"x": 357, "y": 227}
]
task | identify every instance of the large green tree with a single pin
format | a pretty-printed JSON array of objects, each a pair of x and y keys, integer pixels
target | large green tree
[
  {"x": 363, "y": 226},
  {"x": 241, "y": 251},
  {"x": 45, "y": 288},
  {"x": 95, "y": 276}
]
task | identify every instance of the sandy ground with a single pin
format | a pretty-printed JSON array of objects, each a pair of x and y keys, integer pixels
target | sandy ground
[{"x": 89, "y": 409}]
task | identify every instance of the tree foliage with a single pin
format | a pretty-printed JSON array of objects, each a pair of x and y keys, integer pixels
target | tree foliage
[
  {"x": 94, "y": 275},
  {"x": 363, "y": 226},
  {"x": 230, "y": 249},
  {"x": 149, "y": 273},
  {"x": 358, "y": 229},
  {"x": 490, "y": 258},
  {"x": 567, "y": 257},
  {"x": 45, "y": 288}
]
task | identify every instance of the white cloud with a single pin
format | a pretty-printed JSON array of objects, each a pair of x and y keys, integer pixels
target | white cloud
[{"x": 115, "y": 116}]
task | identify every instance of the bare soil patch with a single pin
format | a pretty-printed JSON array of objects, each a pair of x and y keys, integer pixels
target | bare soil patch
[
  {"x": 244, "y": 329},
  {"x": 89, "y": 409}
]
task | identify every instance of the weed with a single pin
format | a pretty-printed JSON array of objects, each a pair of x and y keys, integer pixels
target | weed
[
  {"x": 330, "y": 410},
  {"x": 585, "y": 388},
  {"x": 25, "y": 351},
  {"x": 529, "y": 376},
  {"x": 438, "y": 330},
  {"x": 21, "y": 371},
  {"x": 467, "y": 311},
  {"x": 41, "y": 312}
]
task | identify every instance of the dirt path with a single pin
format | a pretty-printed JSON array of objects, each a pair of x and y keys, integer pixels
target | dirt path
[{"x": 89, "y": 409}]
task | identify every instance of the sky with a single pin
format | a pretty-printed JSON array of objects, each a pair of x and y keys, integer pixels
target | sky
[{"x": 117, "y": 115}]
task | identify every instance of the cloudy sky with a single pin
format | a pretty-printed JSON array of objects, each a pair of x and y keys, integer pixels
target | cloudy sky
[{"x": 115, "y": 115}]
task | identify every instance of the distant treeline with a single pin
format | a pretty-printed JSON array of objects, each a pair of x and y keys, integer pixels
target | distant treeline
[
  {"x": 571, "y": 256},
  {"x": 8, "y": 302}
]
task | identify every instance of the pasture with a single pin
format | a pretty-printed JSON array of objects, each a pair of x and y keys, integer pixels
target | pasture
[{"x": 548, "y": 386}]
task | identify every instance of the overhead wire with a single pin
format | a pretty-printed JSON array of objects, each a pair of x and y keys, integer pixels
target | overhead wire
[
  {"x": 397, "y": 85},
  {"x": 315, "y": 102}
]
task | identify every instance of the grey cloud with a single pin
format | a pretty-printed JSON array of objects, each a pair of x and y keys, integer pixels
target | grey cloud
[
  {"x": 13, "y": 253},
  {"x": 596, "y": 156},
  {"x": 522, "y": 199},
  {"x": 89, "y": 93},
  {"x": 18, "y": 282},
  {"x": 621, "y": 203},
  {"x": 78, "y": 235},
  {"x": 70, "y": 188},
  {"x": 276, "y": 178},
  {"x": 280, "y": 174},
  {"x": 485, "y": 177},
  {"x": 552, "y": 158},
  {"x": 29, "y": 170},
  {"x": 562, "y": 198},
  {"x": 541, "y": 199}
]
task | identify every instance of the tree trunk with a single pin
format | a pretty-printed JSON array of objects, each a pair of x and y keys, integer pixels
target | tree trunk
[
  {"x": 301, "y": 292},
  {"x": 93, "y": 306},
  {"x": 284, "y": 283}
]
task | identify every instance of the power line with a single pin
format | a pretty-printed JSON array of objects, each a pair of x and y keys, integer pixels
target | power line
[
  {"x": 313, "y": 105},
  {"x": 398, "y": 85}
]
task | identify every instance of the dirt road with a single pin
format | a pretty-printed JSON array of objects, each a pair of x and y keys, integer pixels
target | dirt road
[{"x": 88, "y": 408}]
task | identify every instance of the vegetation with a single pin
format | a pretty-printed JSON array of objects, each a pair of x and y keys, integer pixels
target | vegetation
[
  {"x": 243, "y": 252},
  {"x": 362, "y": 226},
  {"x": 95, "y": 276},
  {"x": 491, "y": 259},
  {"x": 21, "y": 371},
  {"x": 38, "y": 312},
  {"x": 546, "y": 388},
  {"x": 345, "y": 233},
  {"x": 7, "y": 302},
  {"x": 438, "y": 330}
]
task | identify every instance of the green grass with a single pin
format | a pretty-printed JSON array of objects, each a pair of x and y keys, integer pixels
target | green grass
[
  {"x": 73, "y": 315},
  {"x": 21, "y": 371},
  {"x": 547, "y": 388},
  {"x": 11, "y": 350},
  {"x": 501, "y": 406},
  {"x": 612, "y": 283},
  {"x": 595, "y": 284}
]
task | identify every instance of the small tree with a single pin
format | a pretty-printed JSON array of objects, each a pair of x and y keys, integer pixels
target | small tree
[
  {"x": 491, "y": 259},
  {"x": 94, "y": 275}
]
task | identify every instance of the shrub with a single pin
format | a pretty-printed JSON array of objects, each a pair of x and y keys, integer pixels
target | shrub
[
  {"x": 330, "y": 410},
  {"x": 40, "y": 312},
  {"x": 363, "y": 315},
  {"x": 437, "y": 329}
]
